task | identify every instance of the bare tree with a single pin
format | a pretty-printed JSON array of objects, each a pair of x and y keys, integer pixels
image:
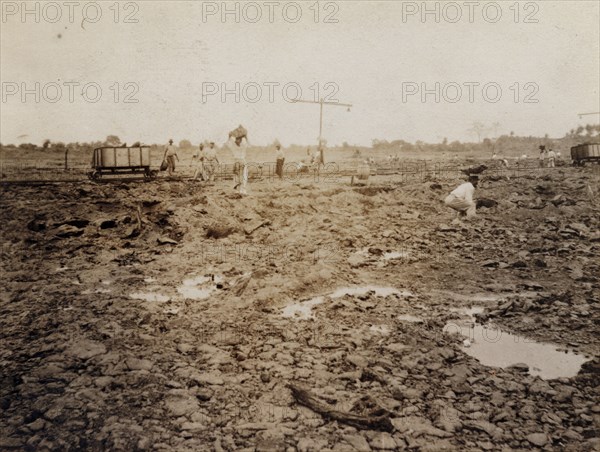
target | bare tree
[
  {"x": 495, "y": 127},
  {"x": 478, "y": 128}
]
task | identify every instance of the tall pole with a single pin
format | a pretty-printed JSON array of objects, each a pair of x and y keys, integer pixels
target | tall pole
[
  {"x": 321, "y": 125},
  {"x": 321, "y": 103}
]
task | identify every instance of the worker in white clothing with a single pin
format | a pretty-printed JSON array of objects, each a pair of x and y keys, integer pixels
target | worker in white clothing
[
  {"x": 238, "y": 147},
  {"x": 461, "y": 198},
  {"x": 551, "y": 158}
]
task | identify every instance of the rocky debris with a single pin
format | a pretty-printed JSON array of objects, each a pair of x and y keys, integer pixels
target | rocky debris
[
  {"x": 573, "y": 310},
  {"x": 376, "y": 418},
  {"x": 473, "y": 170},
  {"x": 179, "y": 404},
  {"x": 218, "y": 231},
  {"x": 85, "y": 349},
  {"x": 65, "y": 231},
  {"x": 36, "y": 225},
  {"x": 538, "y": 439},
  {"x": 86, "y": 366},
  {"x": 166, "y": 241},
  {"x": 486, "y": 202}
]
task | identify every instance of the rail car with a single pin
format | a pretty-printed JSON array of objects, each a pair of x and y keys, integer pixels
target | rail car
[
  {"x": 121, "y": 160},
  {"x": 588, "y": 152}
]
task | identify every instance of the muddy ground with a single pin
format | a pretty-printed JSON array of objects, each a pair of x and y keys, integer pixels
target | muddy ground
[{"x": 150, "y": 316}]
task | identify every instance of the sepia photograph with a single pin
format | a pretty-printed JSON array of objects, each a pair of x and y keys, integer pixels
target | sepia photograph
[{"x": 300, "y": 226}]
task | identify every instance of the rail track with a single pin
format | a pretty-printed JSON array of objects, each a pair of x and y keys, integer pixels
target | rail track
[{"x": 32, "y": 176}]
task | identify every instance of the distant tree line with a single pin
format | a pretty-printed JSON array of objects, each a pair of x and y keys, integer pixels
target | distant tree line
[{"x": 502, "y": 144}]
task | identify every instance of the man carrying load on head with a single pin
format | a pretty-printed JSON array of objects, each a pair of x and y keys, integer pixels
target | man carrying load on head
[{"x": 238, "y": 145}]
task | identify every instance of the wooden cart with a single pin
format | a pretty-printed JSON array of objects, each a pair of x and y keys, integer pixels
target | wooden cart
[
  {"x": 583, "y": 153},
  {"x": 120, "y": 160}
]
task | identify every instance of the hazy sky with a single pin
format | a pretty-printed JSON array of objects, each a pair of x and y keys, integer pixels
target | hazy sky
[{"x": 376, "y": 56}]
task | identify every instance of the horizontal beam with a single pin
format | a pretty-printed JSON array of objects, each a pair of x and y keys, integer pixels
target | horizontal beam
[{"x": 320, "y": 102}]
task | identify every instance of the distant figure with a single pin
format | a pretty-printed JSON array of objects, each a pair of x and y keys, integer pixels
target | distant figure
[
  {"x": 210, "y": 162},
  {"x": 551, "y": 158},
  {"x": 461, "y": 198},
  {"x": 238, "y": 147},
  {"x": 170, "y": 156},
  {"x": 321, "y": 157},
  {"x": 198, "y": 159},
  {"x": 494, "y": 156},
  {"x": 543, "y": 156},
  {"x": 280, "y": 159}
]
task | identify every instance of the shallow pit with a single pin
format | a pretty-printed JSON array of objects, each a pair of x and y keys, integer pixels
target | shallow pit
[
  {"x": 199, "y": 287},
  {"x": 395, "y": 255},
  {"x": 150, "y": 296},
  {"x": 302, "y": 310},
  {"x": 409, "y": 318},
  {"x": 494, "y": 347}
]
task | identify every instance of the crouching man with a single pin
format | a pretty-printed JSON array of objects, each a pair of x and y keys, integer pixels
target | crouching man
[{"x": 461, "y": 198}]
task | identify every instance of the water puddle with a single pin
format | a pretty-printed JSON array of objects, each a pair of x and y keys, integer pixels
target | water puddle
[
  {"x": 195, "y": 293},
  {"x": 382, "y": 257},
  {"x": 409, "y": 318},
  {"x": 380, "y": 329},
  {"x": 393, "y": 255},
  {"x": 303, "y": 309},
  {"x": 496, "y": 348},
  {"x": 149, "y": 296},
  {"x": 200, "y": 287},
  {"x": 363, "y": 290}
]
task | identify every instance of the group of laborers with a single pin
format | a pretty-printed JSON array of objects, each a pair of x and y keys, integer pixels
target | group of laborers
[
  {"x": 461, "y": 199},
  {"x": 206, "y": 160},
  {"x": 547, "y": 157}
]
